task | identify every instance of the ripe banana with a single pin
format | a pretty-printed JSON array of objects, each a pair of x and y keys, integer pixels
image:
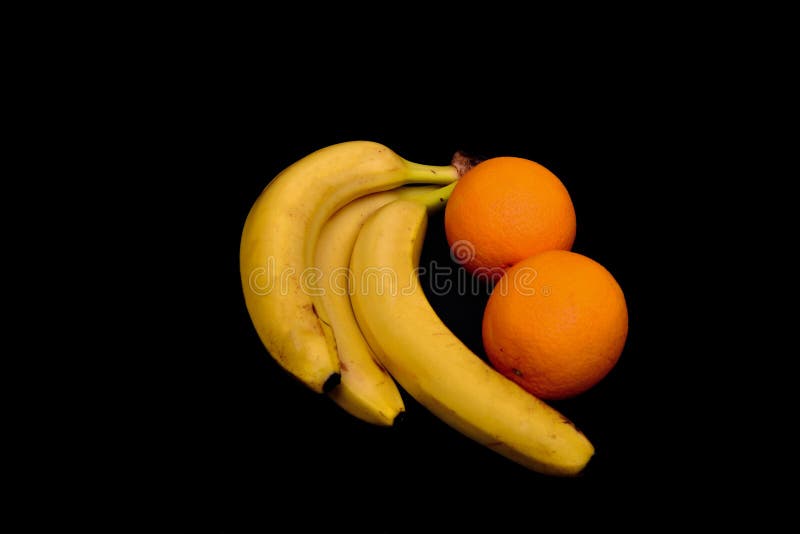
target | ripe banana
[
  {"x": 434, "y": 366},
  {"x": 366, "y": 390},
  {"x": 279, "y": 238}
]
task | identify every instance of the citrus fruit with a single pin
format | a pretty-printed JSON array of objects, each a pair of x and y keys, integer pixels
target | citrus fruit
[
  {"x": 504, "y": 210},
  {"x": 555, "y": 324}
]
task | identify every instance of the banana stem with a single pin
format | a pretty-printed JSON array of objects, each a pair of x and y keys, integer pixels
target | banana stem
[
  {"x": 431, "y": 199},
  {"x": 431, "y": 174}
]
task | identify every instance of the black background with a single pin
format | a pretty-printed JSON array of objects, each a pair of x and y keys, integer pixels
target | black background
[{"x": 146, "y": 401}]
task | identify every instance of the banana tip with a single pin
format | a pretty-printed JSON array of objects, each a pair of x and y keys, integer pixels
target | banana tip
[
  {"x": 399, "y": 420},
  {"x": 331, "y": 382}
]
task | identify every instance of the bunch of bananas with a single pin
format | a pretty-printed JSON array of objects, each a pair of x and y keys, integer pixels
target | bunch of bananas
[{"x": 328, "y": 260}]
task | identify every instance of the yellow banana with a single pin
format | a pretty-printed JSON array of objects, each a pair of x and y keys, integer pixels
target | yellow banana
[
  {"x": 366, "y": 390},
  {"x": 436, "y": 368},
  {"x": 279, "y": 238}
]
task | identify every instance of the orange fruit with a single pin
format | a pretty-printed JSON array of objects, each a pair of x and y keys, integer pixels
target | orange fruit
[
  {"x": 504, "y": 210},
  {"x": 555, "y": 324}
]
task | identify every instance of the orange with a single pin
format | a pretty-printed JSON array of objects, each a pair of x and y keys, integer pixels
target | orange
[
  {"x": 504, "y": 210},
  {"x": 555, "y": 324}
]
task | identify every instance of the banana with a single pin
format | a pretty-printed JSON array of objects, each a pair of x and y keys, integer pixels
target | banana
[
  {"x": 366, "y": 390},
  {"x": 435, "y": 367},
  {"x": 279, "y": 238}
]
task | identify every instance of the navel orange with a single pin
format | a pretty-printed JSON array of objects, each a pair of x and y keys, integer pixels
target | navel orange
[
  {"x": 504, "y": 210},
  {"x": 555, "y": 324}
]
